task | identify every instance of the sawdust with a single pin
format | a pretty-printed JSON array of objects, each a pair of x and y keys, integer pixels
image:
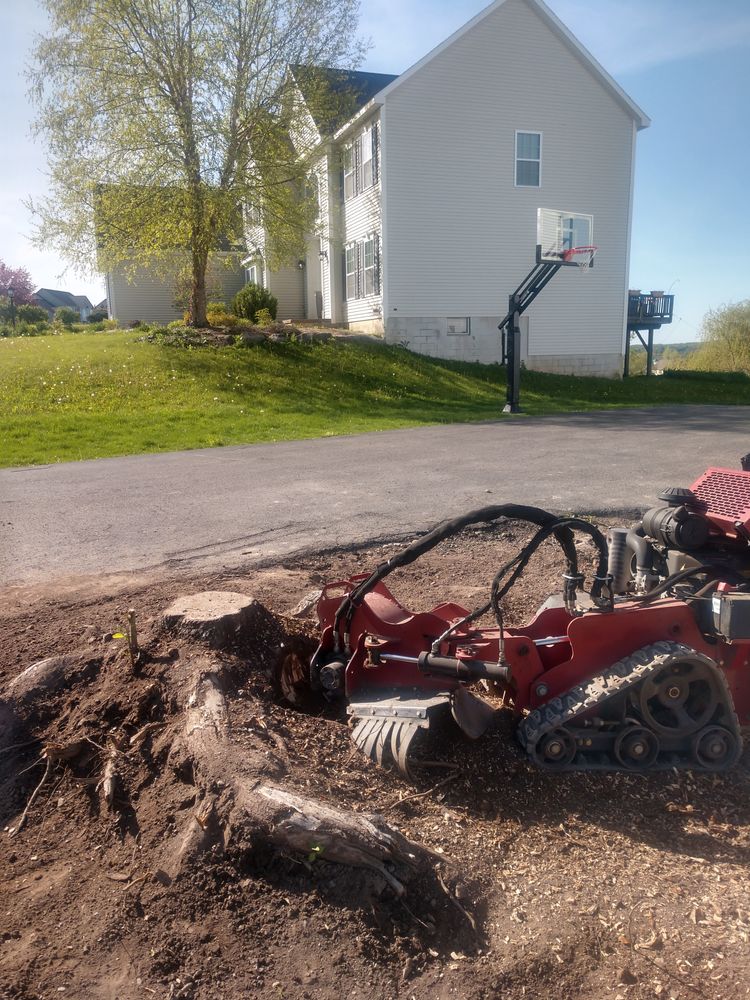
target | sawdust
[{"x": 583, "y": 886}]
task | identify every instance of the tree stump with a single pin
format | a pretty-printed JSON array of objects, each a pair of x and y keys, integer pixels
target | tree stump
[{"x": 215, "y": 617}]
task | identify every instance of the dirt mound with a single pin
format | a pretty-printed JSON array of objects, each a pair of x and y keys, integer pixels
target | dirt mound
[{"x": 571, "y": 885}]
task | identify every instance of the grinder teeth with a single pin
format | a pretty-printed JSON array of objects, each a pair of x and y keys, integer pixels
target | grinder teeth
[{"x": 386, "y": 740}]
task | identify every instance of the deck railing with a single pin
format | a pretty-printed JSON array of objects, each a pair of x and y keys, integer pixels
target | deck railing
[{"x": 650, "y": 309}]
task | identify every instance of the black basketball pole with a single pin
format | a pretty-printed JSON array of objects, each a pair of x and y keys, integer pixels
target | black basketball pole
[{"x": 535, "y": 281}]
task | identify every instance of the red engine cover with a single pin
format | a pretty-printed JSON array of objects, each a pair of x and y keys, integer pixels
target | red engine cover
[{"x": 724, "y": 497}]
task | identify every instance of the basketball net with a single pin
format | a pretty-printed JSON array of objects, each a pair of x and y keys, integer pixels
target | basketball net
[{"x": 582, "y": 257}]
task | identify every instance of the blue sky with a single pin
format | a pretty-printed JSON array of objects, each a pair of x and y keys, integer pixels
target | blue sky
[{"x": 687, "y": 64}]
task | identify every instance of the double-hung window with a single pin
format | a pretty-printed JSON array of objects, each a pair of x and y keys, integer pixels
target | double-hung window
[
  {"x": 369, "y": 266},
  {"x": 362, "y": 268},
  {"x": 360, "y": 163},
  {"x": 350, "y": 171},
  {"x": 367, "y": 158},
  {"x": 528, "y": 159},
  {"x": 352, "y": 290}
]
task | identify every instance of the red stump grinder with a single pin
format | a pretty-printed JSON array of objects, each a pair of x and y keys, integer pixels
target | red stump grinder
[{"x": 647, "y": 670}]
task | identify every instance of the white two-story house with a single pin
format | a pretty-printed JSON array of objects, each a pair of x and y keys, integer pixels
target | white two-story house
[{"x": 428, "y": 195}]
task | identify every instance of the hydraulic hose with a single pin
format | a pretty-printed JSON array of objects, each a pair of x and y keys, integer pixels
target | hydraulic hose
[{"x": 550, "y": 523}]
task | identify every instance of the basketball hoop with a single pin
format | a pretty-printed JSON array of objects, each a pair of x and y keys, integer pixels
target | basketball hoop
[{"x": 582, "y": 257}]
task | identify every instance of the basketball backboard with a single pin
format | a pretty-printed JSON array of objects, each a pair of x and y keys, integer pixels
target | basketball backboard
[{"x": 558, "y": 232}]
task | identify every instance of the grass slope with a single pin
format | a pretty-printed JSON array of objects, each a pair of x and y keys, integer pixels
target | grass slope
[{"x": 79, "y": 395}]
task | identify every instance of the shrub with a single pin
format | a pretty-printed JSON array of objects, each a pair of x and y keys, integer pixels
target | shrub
[
  {"x": 97, "y": 316},
  {"x": 67, "y": 316},
  {"x": 32, "y": 314},
  {"x": 220, "y": 317},
  {"x": 263, "y": 317},
  {"x": 252, "y": 298}
]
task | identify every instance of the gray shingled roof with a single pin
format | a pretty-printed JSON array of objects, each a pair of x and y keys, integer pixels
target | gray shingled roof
[{"x": 333, "y": 96}]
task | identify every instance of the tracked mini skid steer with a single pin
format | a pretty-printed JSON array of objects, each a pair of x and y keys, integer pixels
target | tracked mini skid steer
[{"x": 647, "y": 670}]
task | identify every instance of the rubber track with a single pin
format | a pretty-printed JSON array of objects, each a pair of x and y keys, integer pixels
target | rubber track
[{"x": 615, "y": 681}]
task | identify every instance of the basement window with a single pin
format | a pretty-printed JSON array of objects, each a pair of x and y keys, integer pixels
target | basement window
[
  {"x": 458, "y": 326},
  {"x": 528, "y": 159}
]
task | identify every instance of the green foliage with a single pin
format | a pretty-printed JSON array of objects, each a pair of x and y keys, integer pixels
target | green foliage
[
  {"x": 97, "y": 316},
  {"x": 32, "y": 314},
  {"x": 726, "y": 340},
  {"x": 66, "y": 316},
  {"x": 699, "y": 375},
  {"x": 263, "y": 317},
  {"x": 178, "y": 93},
  {"x": 251, "y": 299},
  {"x": 88, "y": 395},
  {"x": 221, "y": 318}
]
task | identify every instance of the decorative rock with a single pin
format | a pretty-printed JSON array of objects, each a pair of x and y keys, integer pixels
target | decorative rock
[
  {"x": 306, "y": 605},
  {"x": 217, "y": 617},
  {"x": 251, "y": 337}
]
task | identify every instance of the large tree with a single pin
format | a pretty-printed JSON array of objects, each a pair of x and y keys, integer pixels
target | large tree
[{"x": 163, "y": 118}]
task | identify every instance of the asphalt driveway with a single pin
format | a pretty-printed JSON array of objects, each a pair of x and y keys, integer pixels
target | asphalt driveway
[{"x": 228, "y": 507}]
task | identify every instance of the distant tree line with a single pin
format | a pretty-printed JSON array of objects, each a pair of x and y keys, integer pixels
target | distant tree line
[{"x": 724, "y": 345}]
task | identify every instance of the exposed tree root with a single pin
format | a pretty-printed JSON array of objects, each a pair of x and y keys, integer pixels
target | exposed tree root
[
  {"x": 32, "y": 799},
  {"x": 240, "y": 793}
]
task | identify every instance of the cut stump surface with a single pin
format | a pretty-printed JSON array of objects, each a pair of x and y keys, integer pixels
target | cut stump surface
[{"x": 217, "y": 617}]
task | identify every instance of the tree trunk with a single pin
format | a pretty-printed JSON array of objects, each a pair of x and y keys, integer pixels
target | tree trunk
[{"x": 198, "y": 289}]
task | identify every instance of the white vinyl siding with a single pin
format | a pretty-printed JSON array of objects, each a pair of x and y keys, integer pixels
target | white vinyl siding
[
  {"x": 151, "y": 297},
  {"x": 528, "y": 159},
  {"x": 459, "y": 234}
]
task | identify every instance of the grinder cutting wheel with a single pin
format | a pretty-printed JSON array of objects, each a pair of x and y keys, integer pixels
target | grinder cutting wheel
[{"x": 648, "y": 669}]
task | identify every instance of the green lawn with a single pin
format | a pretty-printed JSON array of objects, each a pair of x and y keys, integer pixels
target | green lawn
[{"x": 82, "y": 395}]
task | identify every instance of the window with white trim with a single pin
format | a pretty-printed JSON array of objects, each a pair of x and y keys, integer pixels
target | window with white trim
[
  {"x": 528, "y": 159},
  {"x": 351, "y": 272},
  {"x": 362, "y": 268},
  {"x": 349, "y": 156},
  {"x": 367, "y": 159},
  {"x": 458, "y": 326},
  {"x": 369, "y": 267},
  {"x": 360, "y": 162}
]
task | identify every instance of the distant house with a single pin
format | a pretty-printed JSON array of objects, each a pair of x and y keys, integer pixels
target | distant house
[
  {"x": 52, "y": 299},
  {"x": 429, "y": 191}
]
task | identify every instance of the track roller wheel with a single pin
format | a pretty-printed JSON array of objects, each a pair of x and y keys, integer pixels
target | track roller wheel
[
  {"x": 556, "y": 749},
  {"x": 636, "y": 748},
  {"x": 680, "y": 699},
  {"x": 715, "y": 748}
]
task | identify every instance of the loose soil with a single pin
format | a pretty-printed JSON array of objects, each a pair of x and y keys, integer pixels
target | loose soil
[{"x": 583, "y": 886}]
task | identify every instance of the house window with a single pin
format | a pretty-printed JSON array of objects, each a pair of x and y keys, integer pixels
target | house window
[
  {"x": 367, "y": 158},
  {"x": 350, "y": 172},
  {"x": 360, "y": 163},
  {"x": 369, "y": 267},
  {"x": 362, "y": 268},
  {"x": 351, "y": 272},
  {"x": 458, "y": 326},
  {"x": 528, "y": 159}
]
